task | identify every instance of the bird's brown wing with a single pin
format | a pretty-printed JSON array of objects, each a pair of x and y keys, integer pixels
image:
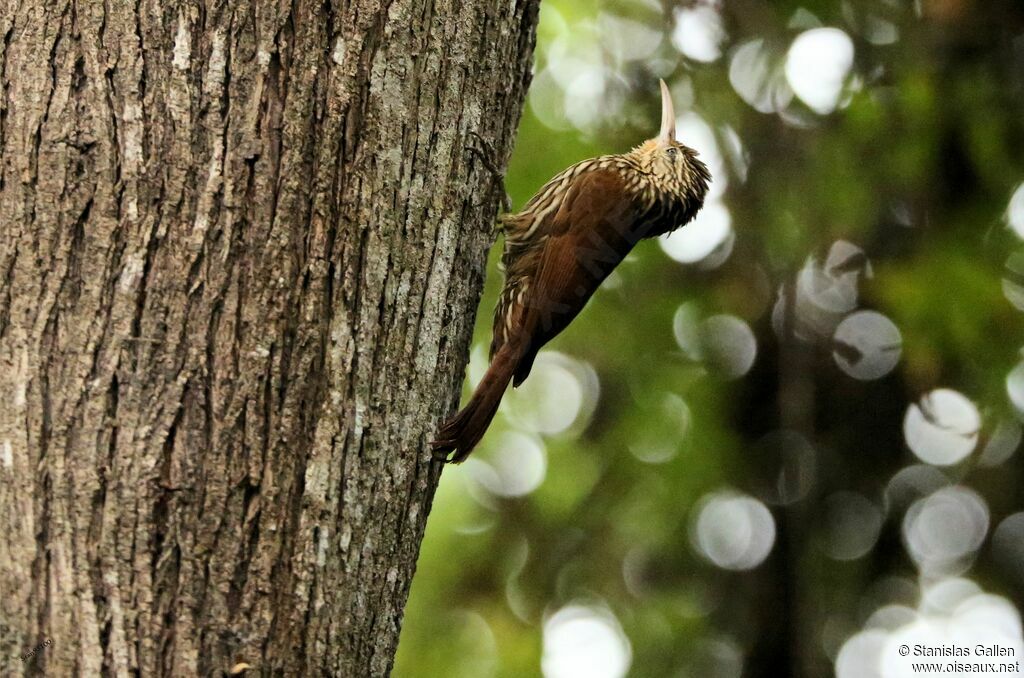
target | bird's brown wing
[{"x": 588, "y": 236}]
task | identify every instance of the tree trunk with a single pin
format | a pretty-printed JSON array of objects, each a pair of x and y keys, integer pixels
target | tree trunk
[{"x": 240, "y": 248}]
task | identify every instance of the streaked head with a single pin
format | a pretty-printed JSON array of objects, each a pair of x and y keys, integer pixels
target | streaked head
[{"x": 673, "y": 166}]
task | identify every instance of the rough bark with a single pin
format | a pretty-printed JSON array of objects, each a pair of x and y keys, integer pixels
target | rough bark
[{"x": 240, "y": 248}]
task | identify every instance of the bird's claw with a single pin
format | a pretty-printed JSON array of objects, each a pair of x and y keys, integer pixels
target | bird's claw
[{"x": 485, "y": 152}]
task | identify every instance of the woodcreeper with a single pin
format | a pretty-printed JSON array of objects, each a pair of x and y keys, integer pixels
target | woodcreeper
[{"x": 563, "y": 244}]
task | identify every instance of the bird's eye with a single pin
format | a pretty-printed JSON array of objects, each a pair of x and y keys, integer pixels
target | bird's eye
[{"x": 671, "y": 151}]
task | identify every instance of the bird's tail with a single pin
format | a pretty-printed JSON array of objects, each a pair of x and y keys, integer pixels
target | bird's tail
[{"x": 464, "y": 430}]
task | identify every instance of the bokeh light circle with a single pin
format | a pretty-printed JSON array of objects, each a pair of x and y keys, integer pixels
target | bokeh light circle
[
  {"x": 584, "y": 641},
  {"x": 1015, "y": 211},
  {"x": 1008, "y": 545},
  {"x": 732, "y": 530},
  {"x": 853, "y": 523},
  {"x": 945, "y": 528},
  {"x": 817, "y": 65},
  {"x": 519, "y": 464},
  {"x": 756, "y": 75},
  {"x": 698, "y": 33},
  {"x": 696, "y": 241},
  {"x": 729, "y": 345},
  {"x": 942, "y": 428},
  {"x": 867, "y": 345},
  {"x": 1015, "y": 387}
]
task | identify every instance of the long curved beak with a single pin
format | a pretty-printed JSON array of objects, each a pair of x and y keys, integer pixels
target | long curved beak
[{"x": 668, "y": 116}]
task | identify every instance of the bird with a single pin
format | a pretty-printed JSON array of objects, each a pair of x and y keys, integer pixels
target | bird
[{"x": 562, "y": 245}]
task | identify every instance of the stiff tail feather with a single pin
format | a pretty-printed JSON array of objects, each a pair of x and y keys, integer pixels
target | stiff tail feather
[{"x": 462, "y": 432}]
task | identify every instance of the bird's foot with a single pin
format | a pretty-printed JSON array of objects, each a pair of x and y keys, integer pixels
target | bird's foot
[{"x": 485, "y": 152}]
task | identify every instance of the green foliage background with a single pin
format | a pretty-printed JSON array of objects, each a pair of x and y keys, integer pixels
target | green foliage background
[{"x": 917, "y": 168}]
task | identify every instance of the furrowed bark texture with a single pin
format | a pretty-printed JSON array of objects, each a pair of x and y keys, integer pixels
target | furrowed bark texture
[{"x": 240, "y": 248}]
